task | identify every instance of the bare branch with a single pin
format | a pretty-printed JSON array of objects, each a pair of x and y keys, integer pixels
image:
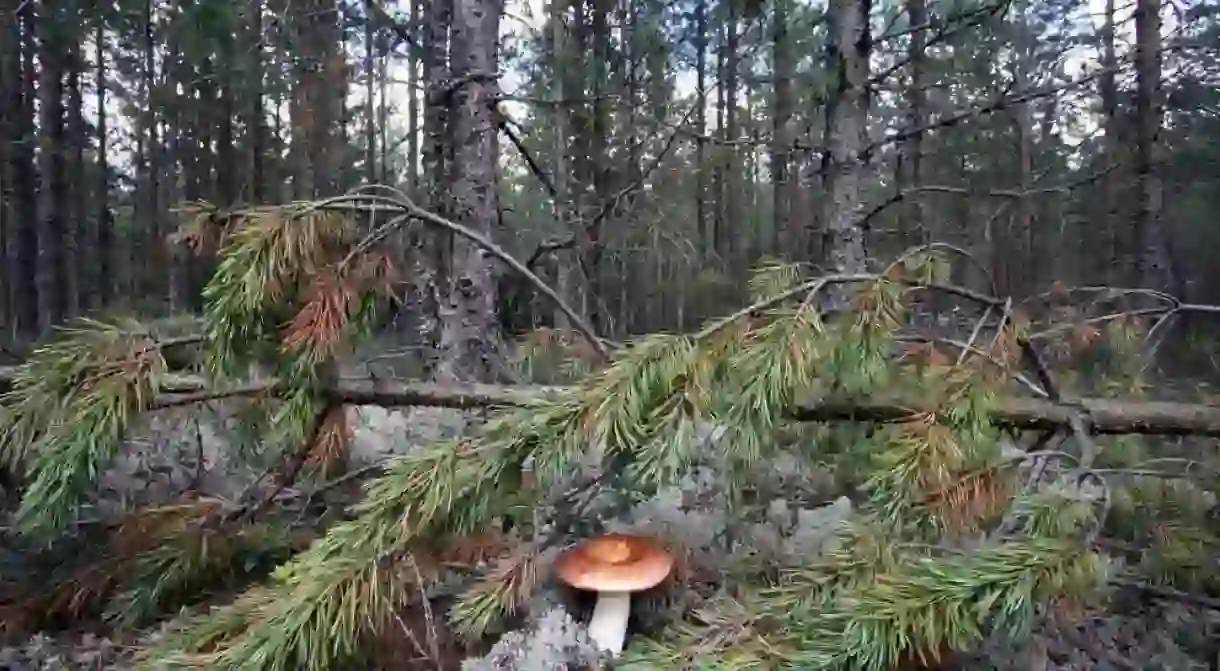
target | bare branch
[{"x": 1105, "y": 416}]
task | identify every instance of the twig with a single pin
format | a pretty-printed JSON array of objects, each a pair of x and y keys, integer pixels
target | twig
[
  {"x": 426, "y": 604},
  {"x": 611, "y": 203},
  {"x": 1040, "y": 370},
  {"x": 974, "y": 335},
  {"x": 410, "y": 635}
]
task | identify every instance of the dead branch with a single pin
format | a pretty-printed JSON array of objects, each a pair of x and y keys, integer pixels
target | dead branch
[
  {"x": 1033, "y": 414},
  {"x": 611, "y": 204}
]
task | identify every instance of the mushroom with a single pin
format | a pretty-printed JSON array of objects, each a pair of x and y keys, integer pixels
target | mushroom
[{"x": 614, "y": 566}]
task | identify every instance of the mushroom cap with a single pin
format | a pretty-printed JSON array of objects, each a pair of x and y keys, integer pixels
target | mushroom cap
[{"x": 615, "y": 563}]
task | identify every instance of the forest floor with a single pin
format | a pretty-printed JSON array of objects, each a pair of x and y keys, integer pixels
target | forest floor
[{"x": 1172, "y": 637}]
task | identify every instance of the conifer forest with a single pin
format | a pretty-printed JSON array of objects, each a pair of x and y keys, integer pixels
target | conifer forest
[{"x": 715, "y": 335}]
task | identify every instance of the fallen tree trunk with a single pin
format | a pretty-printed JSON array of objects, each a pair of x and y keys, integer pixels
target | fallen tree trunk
[{"x": 1021, "y": 413}]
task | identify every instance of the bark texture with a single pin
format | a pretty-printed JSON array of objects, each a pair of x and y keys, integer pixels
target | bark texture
[{"x": 469, "y": 325}]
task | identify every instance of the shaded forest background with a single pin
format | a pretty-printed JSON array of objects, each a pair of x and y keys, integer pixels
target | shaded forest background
[{"x": 645, "y": 153}]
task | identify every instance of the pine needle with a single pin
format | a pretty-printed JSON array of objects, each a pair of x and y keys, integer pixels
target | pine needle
[
  {"x": 494, "y": 598},
  {"x": 318, "y": 329},
  {"x": 331, "y": 441}
]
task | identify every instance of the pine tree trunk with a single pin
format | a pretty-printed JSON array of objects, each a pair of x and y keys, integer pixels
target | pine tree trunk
[
  {"x": 105, "y": 289},
  {"x": 256, "y": 124},
  {"x": 846, "y": 135},
  {"x": 429, "y": 254},
  {"x": 1025, "y": 262},
  {"x": 701, "y": 41},
  {"x": 370, "y": 126},
  {"x": 80, "y": 264},
  {"x": 1152, "y": 261},
  {"x": 561, "y": 121},
  {"x": 10, "y": 87},
  {"x": 469, "y": 326},
  {"x": 1120, "y": 251},
  {"x": 413, "y": 79},
  {"x": 781, "y": 143},
  {"x": 52, "y": 186},
  {"x": 910, "y": 161},
  {"x": 150, "y": 267},
  {"x": 589, "y": 236},
  {"x": 732, "y": 224}
]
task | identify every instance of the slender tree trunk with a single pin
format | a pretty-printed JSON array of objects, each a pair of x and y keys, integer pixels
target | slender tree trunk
[
  {"x": 719, "y": 177},
  {"x": 149, "y": 254},
  {"x": 1152, "y": 263},
  {"x": 701, "y": 42},
  {"x": 912, "y": 224},
  {"x": 469, "y": 332},
  {"x": 23, "y": 252},
  {"x": 80, "y": 265},
  {"x": 413, "y": 81},
  {"x": 732, "y": 184},
  {"x": 256, "y": 123},
  {"x": 781, "y": 114},
  {"x": 106, "y": 288},
  {"x": 429, "y": 253},
  {"x": 561, "y": 113},
  {"x": 53, "y": 198},
  {"x": 370, "y": 100},
  {"x": 589, "y": 242},
  {"x": 10, "y": 89},
  {"x": 1120, "y": 251},
  {"x": 846, "y": 135},
  {"x": 1026, "y": 268},
  {"x": 178, "y": 155}
]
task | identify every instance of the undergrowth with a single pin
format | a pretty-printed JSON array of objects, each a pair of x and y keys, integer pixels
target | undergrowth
[{"x": 954, "y": 539}]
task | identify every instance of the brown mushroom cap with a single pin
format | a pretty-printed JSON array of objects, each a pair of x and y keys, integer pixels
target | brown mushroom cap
[{"x": 615, "y": 563}]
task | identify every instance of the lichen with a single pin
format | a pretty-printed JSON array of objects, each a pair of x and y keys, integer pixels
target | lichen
[{"x": 555, "y": 642}]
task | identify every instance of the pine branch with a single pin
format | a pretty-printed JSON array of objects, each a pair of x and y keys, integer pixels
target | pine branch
[
  {"x": 928, "y": 605},
  {"x": 634, "y": 425}
]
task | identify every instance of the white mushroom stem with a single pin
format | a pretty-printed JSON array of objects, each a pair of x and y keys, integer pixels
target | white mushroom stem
[{"x": 608, "y": 628}]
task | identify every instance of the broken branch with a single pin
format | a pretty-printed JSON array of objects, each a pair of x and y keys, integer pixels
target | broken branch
[{"x": 1021, "y": 413}]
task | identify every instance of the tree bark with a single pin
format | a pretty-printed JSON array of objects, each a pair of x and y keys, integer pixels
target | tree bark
[
  {"x": 910, "y": 159},
  {"x": 846, "y": 135},
  {"x": 105, "y": 290},
  {"x": 10, "y": 89},
  {"x": 704, "y": 226},
  {"x": 1112, "y": 148},
  {"x": 53, "y": 231},
  {"x": 781, "y": 115},
  {"x": 79, "y": 265},
  {"x": 1152, "y": 260},
  {"x": 22, "y": 249},
  {"x": 469, "y": 328}
]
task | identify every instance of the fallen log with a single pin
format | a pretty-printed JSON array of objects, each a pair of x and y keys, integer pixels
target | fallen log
[{"x": 1022, "y": 413}]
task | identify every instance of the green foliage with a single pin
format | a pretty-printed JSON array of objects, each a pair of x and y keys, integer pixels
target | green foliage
[
  {"x": 186, "y": 565},
  {"x": 640, "y": 417},
  {"x": 70, "y": 406},
  {"x": 895, "y": 584}
]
